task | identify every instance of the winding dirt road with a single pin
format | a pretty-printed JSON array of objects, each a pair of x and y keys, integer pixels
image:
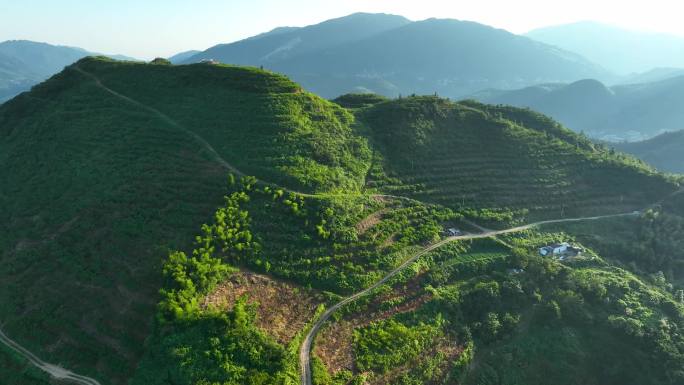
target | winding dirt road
[
  {"x": 305, "y": 350},
  {"x": 55, "y": 371}
]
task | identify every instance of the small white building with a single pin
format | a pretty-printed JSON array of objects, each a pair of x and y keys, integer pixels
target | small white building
[{"x": 555, "y": 249}]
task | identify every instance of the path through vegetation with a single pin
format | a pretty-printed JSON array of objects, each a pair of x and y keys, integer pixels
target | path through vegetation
[
  {"x": 55, "y": 371},
  {"x": 305, "y": 350}
]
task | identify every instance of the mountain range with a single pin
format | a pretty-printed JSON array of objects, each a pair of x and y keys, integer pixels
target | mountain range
[
  {"x": 25, "y": 63},
  {"x": 212, "y": 223},
  {"x": 617, "y": 49},
  {"x": 619, "y": 113},
  {"x": 388, "y": 54}
]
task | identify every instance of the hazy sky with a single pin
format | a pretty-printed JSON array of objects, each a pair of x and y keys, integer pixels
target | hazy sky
[{"x": 149, "y": 28}]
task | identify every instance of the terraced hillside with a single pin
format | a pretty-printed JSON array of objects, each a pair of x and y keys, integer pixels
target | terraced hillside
[
  {"x": 495, "y": 312},
  {"x": 470, "y": 155},
  {"x": 109, "y": 170},
  {"x": 95, "y": 188}
]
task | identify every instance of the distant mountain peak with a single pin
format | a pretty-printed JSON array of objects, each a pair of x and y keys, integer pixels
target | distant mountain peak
[{"x": 391, "y": 55}]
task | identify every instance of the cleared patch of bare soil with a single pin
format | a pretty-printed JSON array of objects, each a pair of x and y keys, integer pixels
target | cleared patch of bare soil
[{"x": 283, "y": 309}]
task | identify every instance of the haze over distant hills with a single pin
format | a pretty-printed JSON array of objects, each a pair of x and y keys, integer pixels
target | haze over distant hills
[
  {"x": 626, "y": 112},
  {"x": 182, "y": 56},
  {"x": 620, "y": 50},
  {"x": 391, "y": 55},
  {"x": 654, "y": 75},
  {"x": 665, "y": 152},
  {"x": 25, "y": 63}
]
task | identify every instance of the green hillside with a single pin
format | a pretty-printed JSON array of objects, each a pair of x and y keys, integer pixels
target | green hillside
[
  {"x": 186, "y": 225},
  {"x": 390, "y": 55},
  {"x": 470, "y": 155},
  {"x": 96, "y": 188},
  {"x": 619, "y": 113}
]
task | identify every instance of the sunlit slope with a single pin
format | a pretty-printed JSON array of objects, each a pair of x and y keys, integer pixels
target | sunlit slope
[
  {"x": 260, "y": 122},
  {"x": 468, "y": 154},
  {"x": 102, "y": 172}
]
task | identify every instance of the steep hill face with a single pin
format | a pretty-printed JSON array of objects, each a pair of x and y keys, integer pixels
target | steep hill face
[
  {"x": 473, "y": 155},
  {"x": 107, "y": 165},
  {"x": 665, "y": 152},
  {"x": 619, "y": 113},
  {"x": 391, "y": 56},
  {"x": 620, "y": 50},
  {"x": 26, "y": 63}
]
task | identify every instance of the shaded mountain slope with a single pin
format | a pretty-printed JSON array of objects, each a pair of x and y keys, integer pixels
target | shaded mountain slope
[
  {"x": 665, "y": 152},
  {"x": 390, "y": 55},
  {"x": 25, "y": 63},
  {"x": 182, "y": 56},
  {"x": 626, "y": 112}
]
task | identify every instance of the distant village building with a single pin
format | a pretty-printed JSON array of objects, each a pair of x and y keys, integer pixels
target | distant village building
[
  {"x": 209, "y": 61},
  {"x": 560, "y": 250}
]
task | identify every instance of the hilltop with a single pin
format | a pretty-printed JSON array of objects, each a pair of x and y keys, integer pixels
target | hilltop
[
  {"x": 390, "y": 55},
  {"x": 284, "y": 43},
  {"x": 186, "y": 224}
]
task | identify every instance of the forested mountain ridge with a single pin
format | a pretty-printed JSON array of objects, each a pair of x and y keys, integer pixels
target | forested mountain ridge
[
  {"x": 665, "y": 152},
  {"x": 135, "y": 158},
  {"x": 388, "y": 55},
  {"x": 619, "y": 113},
  {"x": 284, "y": 43}
]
